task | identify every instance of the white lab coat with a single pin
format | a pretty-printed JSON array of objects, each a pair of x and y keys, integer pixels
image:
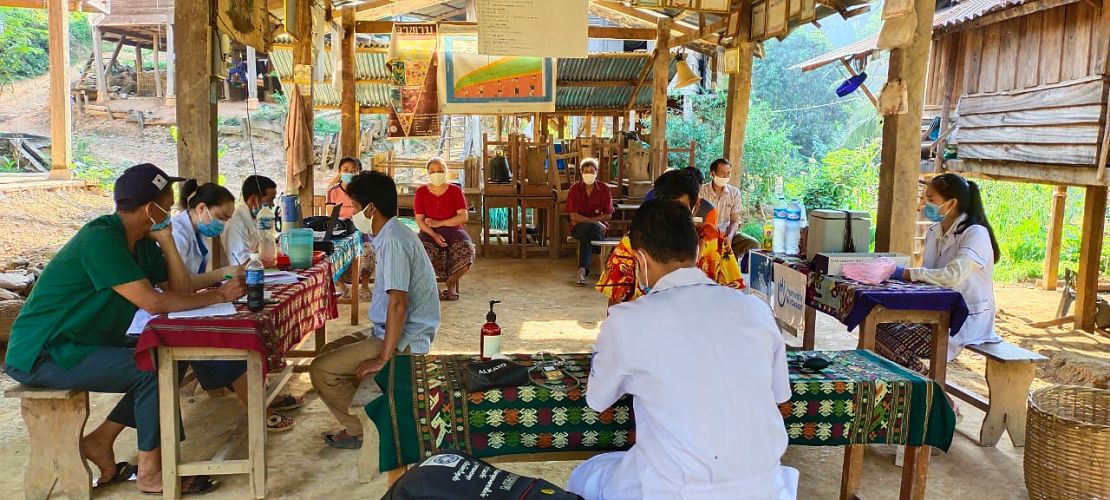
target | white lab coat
[
  {"x": 240, "y": 239},
  {"x": 194, "y": 249},
  {"x": 964, "y": 262},
  {"x": 705, "y": 387}
]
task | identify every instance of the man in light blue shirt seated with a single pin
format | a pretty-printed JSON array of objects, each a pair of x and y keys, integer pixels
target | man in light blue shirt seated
[{"x": 404, "y": 312}]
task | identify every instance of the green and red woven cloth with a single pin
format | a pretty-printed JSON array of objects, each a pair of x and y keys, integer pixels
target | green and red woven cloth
[{"x": 860, "y": 398}]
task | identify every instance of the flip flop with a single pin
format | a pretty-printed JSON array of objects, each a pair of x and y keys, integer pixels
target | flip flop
[
  {"x": 199, "y": 486},
  {"x": 347, "y": 443},
  {"x": 286, "y": 402},
  {"x": 447, "y": 296},
  {"x": 124, "y": 471},
  {"x": 274, "y": 423}
]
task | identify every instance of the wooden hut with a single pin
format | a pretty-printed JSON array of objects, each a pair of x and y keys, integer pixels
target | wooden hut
[{"x": 1020, "y": 87}]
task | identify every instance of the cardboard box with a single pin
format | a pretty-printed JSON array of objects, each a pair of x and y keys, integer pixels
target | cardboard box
[{"x": 832, "y": 263}]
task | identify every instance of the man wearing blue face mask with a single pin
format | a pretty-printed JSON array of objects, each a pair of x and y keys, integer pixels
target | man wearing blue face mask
[
  {"x": 241, "y": 235},
  {"x": 71, "y": 333}
]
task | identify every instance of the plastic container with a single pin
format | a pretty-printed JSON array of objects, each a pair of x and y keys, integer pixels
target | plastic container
[
  {"x": 297, "y": 244},
  {"x": 256, "y": 285},
  {"x": 778, "y": 237},
  {"x": 793, "y": 226},
  {"x": 267, "y": 237}
]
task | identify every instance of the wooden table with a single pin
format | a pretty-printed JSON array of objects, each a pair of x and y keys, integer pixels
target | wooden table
[
  {"x": 855, "y": 382},
  {"x": 263, "y": 340},
  {"x": 924, "y": 312}
]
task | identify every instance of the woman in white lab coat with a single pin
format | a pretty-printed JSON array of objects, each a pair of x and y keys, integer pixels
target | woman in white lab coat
[
  {"x": 205, "y": 210},
  {"x": 960, "y": 253}
]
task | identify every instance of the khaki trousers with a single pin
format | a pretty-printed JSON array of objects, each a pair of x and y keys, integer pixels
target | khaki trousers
[{"x": 333, "y": 375}]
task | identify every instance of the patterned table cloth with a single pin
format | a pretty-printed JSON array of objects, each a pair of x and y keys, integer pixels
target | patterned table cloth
[
  {"x": 850, "y": 301},
  {"x": 860, "y": 398},
  {"x": 346, "y": 249},
  {"x": 301, "y": 308}
]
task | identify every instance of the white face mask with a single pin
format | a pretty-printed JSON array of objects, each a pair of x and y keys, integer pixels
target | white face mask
[
  {"x": 642, "y": 272},
  {"x": 364, "y": 224},
  {"x": 589, "y": 179},
  {"x": 437, "y": 179},
  {"x": 721, "y": 181}
]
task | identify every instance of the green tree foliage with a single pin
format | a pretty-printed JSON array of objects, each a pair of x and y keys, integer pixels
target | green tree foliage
[
  {"x": 25, "y": 41},
  {"x": 806, "y": 100}
]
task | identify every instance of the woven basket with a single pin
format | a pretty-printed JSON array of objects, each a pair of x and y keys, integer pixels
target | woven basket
[{"x": 1067, "y": 448}]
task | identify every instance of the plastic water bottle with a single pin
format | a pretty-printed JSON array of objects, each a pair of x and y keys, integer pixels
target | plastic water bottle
[
  {"x": 267, "y": 237},
  {"x": 793, "y": 226},
  {"x": 778, "y": 238},
  {"x": 256, "y": 284}
]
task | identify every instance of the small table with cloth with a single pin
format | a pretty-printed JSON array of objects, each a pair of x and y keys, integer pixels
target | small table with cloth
[
  {"x": 866, "y": 306},
  {"x": 264, "y": 339},
  {"x": 859, "y": 399}
]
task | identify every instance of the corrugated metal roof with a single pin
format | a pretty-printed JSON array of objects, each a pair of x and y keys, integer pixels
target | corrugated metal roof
[
  {"x": 373, "y": 92},
  {"x": 963, "y": 12}
]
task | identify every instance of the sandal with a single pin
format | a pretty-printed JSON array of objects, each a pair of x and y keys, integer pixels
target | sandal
[
  {"x": 198, "y": 486},
  {"x": 124, "y": 472},
  {"x": 448, "y": 296},
  {"x": 280, "y": 423},
  {"x": 581, "y": 278},
  {"x": 286, "y": 402},
  {"x": 347, "y": 442}
]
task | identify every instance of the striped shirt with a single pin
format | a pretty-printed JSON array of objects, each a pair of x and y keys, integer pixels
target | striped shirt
[{"x": 403, "y": 265}]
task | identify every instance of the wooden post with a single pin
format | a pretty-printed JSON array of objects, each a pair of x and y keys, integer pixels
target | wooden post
[
  {"x": 659, "y": 81},
  {"x": 901, "y": 153},
  {"x": 737, "y": 107},
  {"x": 252, "y": 78},
  {"x": 196, "y": 106},
  {"x": 348, "y": 102},
  {"x": 138, "y": 62},
  {"x": 98, "y": 66},
  {"x": 157, "y": 71},
  {"x": 1086, "y": 293},
  {"x": 303, "y": 55},
  {"x": 61, "y": 115},
  {"x": 1055, "y": 232},
  {"x": 170, "y": 73}
]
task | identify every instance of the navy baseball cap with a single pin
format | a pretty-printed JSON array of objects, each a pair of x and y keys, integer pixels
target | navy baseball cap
[{"x": 140, "y": 185}]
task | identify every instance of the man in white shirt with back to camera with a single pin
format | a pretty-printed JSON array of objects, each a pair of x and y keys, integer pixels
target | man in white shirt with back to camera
[{"x": 705, "y": 386}]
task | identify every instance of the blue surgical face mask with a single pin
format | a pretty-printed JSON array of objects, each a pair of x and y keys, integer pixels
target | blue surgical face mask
[
  {"x": 932, "y": 212},
  {"x": 345, "y": 178},
  {"x": 158, "y": 226},
  {"x": 211, "y": 229}
]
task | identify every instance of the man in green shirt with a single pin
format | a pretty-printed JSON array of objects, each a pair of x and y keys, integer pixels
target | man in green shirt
[{"x": 71, "y": 333}]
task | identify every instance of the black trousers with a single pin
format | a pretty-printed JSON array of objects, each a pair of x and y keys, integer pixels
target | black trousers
[{"x": 586, "y": 233}]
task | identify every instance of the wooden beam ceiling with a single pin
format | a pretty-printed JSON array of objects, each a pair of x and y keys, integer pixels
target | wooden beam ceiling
[
  {"x": 379, "y": 11},
  {"x": 600, "y": 32}
]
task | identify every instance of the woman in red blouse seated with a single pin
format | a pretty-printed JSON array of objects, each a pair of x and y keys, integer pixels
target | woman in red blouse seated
[{"x": 441, "y": 212}]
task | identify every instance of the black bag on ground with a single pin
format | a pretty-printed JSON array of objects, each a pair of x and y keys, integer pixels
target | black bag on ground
[
  {"x": 456, "y": 475},
  {"x": 493, "y": 374}
]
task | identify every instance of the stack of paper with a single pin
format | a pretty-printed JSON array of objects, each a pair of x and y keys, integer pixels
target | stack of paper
[
  {"x": 221, "y": 309},
  {"x": 138, "y": 323},
  {"x": 281, "y": 278}
]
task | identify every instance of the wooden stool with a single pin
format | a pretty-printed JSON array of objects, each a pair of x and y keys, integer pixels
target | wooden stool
[
  {"x": 489, "y": 203},
  {"x": 55, "y": 420},
  {"x": 1010, "y": 371},
  {"x": 606, "y": 247},
  {"x": 548, "y": 231}
]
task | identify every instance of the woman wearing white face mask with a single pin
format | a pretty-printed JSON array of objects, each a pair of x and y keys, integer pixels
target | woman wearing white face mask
[
  {"x": 441, "y": 212},
  {"x": 590, "y": 207},
  {"x": 960, "y": 253}
]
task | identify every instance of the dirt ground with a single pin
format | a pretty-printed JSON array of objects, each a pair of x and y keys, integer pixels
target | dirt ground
[
  {"x": 546, "y": 313},
  {"x": 120, "y": 142}
]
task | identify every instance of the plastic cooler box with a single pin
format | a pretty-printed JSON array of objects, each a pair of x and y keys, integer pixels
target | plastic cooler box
[{"x": 828, "y": 231}]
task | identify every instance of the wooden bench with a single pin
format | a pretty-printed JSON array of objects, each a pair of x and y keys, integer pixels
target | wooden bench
[
  {"x": 605, "y": 247},
  {"x": 55, "y": 420},
  {"x": 1010, "y": 371}
]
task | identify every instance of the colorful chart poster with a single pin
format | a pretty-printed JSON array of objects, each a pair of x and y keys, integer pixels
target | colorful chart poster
[
  {"x": 412, "y": 62},
  {"x": 471, "y": 83}
]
